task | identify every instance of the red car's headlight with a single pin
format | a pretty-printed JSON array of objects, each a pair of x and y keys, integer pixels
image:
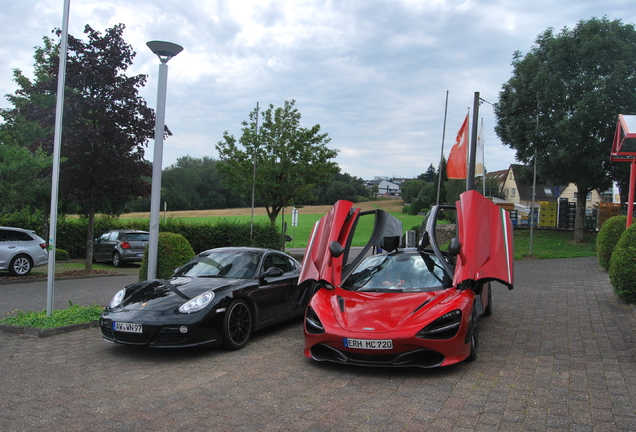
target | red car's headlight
[
  {"x": 444, "y": 327},
  {"x": 312, "y": 323}
]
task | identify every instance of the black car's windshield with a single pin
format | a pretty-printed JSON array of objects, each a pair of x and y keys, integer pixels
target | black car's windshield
[
  {"x": 239, "y": 265},
  {"x": 400, "y": 272}
]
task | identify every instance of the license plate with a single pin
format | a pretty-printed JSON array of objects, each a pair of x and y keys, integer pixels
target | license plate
[
  {"x": 127, "y": 327},
  {"x": 386, "y": 344}
]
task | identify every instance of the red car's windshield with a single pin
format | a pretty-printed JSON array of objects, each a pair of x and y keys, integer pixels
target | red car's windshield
[{"x": 398, "y": 272}]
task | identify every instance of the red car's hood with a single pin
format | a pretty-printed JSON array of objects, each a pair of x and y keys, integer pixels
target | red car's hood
[
  {"x": 379, "y": 312},
  {"x": 485, "y": 235}
]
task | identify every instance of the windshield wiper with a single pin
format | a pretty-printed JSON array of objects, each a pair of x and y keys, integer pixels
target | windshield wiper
[{"x": 380, "y": 290}]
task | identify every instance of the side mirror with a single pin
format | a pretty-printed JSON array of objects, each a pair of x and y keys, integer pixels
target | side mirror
[
  {"x": 273, "y": 272},
  {"x": 454, "y": 247},
  {"x": 336, "y": 249}
]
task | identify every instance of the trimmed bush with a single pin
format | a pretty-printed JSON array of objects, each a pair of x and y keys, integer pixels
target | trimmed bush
[
  {"x": 173, "y": 251},
  {"x": 622, "y": 271},
  {"x": 608, "y": 237},
  {"x": 61, "y": 255}
]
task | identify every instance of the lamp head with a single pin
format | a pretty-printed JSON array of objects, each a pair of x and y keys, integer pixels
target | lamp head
[{"x": 164, "y": 50}]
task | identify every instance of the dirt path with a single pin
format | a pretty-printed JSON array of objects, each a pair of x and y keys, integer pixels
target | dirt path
[{"x": 391, "y": 205}]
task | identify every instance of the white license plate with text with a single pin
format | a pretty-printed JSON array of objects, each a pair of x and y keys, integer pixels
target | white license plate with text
[
  {"x": 386, "y": 344},
  {"x": 127, "y": 327}
]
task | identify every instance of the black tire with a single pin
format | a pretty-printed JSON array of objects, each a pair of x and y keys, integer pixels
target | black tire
[
  {"x": 474, "y": 337},
  {"x": 237, "y": 325},
  {"x": 20, "y": 265},
  {"x": 488, "y": 310},
  {"x": 117, "y": 262}
]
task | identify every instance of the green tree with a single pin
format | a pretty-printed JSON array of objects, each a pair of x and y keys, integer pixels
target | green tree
[
  {"x": 106, "y": 123},
  {"x": 411, "y": 189},
  {"x": 563, "y": 101},
  {"x": 290, "y": 160},
  {"x": 429, "y": 175},
  {"x": 197, "y": 184}
]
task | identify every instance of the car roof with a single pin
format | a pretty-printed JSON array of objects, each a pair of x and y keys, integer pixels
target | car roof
[{"x": 17, "y": 229}]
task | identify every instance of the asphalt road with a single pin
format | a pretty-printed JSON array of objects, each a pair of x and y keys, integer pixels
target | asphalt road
[{"x": 558, "y": 354}]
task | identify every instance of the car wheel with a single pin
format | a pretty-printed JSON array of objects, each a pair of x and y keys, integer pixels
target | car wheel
[
  {"x": 20, "y": 265},
  {"x": 237, "y": 325},
  {"x": 488, "y": 310},
  {"x": 117, "y": 260},
  {"x": 474, "y": 337}
]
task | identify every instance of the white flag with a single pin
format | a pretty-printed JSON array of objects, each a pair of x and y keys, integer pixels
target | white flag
[{"x": 479, "y": 157}]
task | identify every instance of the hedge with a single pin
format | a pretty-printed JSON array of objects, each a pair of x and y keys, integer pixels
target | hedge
[
  {"x": 622, "y": 272},
  {"x": 71, "y": 232},
  {"x": 608, "y": 237}
]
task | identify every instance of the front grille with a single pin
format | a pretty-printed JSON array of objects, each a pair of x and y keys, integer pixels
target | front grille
[
  {"x": 131, "y": 338},
  {"x": 424, "y": 358},
  {"x": 170, "y": 335}
]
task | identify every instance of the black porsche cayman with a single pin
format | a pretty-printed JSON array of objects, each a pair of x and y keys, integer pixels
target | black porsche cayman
[{"x": 218, "y": 298}]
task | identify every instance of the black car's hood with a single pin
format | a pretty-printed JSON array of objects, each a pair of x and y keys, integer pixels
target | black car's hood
[{"x": 164, "y": 295}]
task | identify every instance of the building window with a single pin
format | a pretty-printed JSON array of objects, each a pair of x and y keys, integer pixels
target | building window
[{"x": 513, "y": 192}]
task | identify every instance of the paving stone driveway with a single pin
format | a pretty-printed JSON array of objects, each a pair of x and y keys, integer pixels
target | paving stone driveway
[{"x": 558, "y": 353}]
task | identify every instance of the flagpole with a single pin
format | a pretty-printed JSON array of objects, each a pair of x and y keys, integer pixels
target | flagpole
[
  {"x": 441, "y": 157},
  {"x": 470, "y": 176}
]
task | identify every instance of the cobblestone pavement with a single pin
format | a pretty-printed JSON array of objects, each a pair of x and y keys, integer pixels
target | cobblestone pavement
[{"x": 558, "y": 354}]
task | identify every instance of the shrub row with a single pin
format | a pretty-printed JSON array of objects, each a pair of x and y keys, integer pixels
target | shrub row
[
  {"x": 71, "y": 233},
  {"x": 616, "y": 251}
]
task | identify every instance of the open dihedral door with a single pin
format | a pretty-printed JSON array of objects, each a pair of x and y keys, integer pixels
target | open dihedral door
[
  {"x": 327, "y": 254},
  {"x": 486, "y": 244}
]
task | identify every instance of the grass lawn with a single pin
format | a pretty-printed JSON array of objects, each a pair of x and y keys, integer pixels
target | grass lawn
[{"x": 548, "y": 244}]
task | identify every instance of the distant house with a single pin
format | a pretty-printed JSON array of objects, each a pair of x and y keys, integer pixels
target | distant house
[
  {"x": 516, "y": 191},
  {"x": 498, "y": 178},
  {"x": 385, "y": 187}
]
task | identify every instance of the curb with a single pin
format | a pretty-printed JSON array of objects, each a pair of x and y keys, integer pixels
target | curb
[{"x": 38, "y": 332}]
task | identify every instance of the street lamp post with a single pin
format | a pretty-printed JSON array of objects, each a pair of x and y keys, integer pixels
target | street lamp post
[{"x": 165, "y": 51}]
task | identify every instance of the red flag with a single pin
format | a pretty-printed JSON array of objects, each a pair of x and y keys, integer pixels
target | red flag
[{"x": 456, "y": 167}]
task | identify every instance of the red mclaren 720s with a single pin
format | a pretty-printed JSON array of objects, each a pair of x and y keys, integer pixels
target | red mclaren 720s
[{"x": 392, "y": 306}]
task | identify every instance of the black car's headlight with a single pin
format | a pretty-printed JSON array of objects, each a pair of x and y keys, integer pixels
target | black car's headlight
[
  {"x": 197, "y": 303},
  {"x": 117, "y": 298},
  {"x": 312, "y": 322},
  {"x": 444, "y": 327}
]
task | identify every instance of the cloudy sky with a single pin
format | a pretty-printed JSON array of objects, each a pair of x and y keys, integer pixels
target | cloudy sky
[{"x": 373, "y": 73}]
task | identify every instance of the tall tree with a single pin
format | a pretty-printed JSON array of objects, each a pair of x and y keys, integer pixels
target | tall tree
[
  {"x": 197, "y": 184},
  {"x": 106, "y": 123},
  {"x": 429, "y": 175},
  {"x": 290, "y": 160},
  {"x": 562, "y": 103}
]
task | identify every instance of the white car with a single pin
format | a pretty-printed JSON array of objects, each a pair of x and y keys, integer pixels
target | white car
[{"x": 21, "y": 250}]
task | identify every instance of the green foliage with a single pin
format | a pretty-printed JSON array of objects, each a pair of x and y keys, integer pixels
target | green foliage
[
  {"x": 291, "y": 161},
  {"x": 173, "y": 251},
  {"x": 75, "y": 314},
  {"x": 561, "y": 104},
  {"x": 61, "y": 254},
  {"x": 411, "y": 189},
  {"x": 105, "y": 132},
  {"x": 607, "y": 239},
  {"x": 24, "y": 218},
  {"x": 197, "y": 184},
  {"x": 622, "y": 272}
]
